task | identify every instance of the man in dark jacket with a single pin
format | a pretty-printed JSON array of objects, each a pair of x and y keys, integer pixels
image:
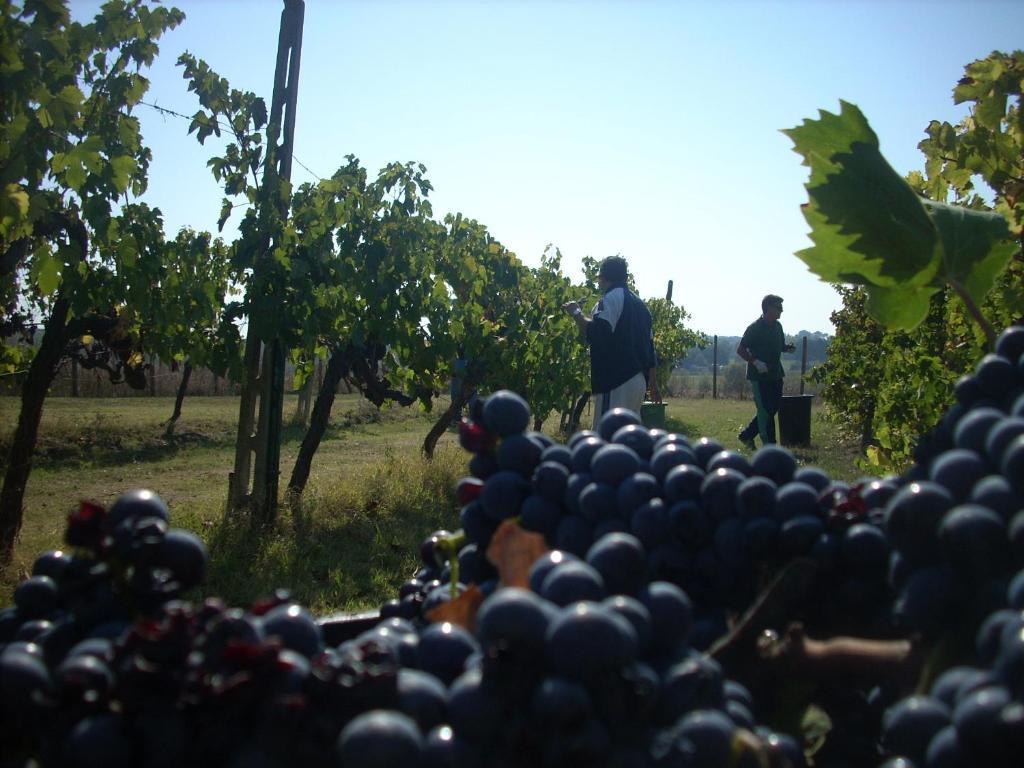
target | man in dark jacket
[
  {"x": 621, "y": 340},
  {"x": 762, "y": 346}
]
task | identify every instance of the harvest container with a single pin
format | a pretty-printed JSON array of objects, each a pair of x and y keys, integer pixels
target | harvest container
[{"x": 795, "y": 419}]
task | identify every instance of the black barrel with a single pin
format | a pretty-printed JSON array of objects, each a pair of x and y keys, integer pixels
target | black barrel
[{"x": 795, "y": 419}]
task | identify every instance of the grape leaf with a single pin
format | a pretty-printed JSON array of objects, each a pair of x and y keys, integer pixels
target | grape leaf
[
  {"x": 46, "y": 269},
  {"x": 870, "y": 228},
  {"x": 462, "y": 610},
  {"x": 13, "y": 212},
  {"x": 512, "y": 551},
  {"x": 122, "y": 168},
  {"x": 868, "y": 225},
  {"x": 975, "y": 246},
  {"x": 904, "y": 307}
]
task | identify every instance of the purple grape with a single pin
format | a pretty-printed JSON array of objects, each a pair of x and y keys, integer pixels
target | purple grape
[
  {"x": 671, "y": 614},
  {"x": 583, "y": 452},
  {"x": 572, "y": 581},
  {"x": 558, "y": 454},
  {"x": 668, "y": 456},
  {"x": 908, "y": 727},
  {"x": 634, "y": 491},
  {"x": 549, "y": 480},
  {"x": 598, "y": 501},
  {"x": 795, "y": 499},
  {"x": 621, "y": 561},
  {"x": 637, "y": 437},
  {"x": 774, "y": 462},
  {"x": 614, "y": 420},
  {"x": 718, "y": 493},
  {"x": 613, "y": 463},
  {"x": 422, "y": 697},
  {"x": 519, "y": 453},
  {"x": 503, "y": 494},
  {"x": 514, "y": 619},
  {"x": 585, "y": 641},
  {"x": 505, "y": 413},
  {"x": 729, "y": 460},
  {"x": 295, "y": 628},
  {"x": 380, "y": 739}
]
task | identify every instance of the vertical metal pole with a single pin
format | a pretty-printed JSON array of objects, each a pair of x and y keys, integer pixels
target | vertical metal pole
[
  {"x": 714, "y": 371},
  {"x": 803, "y": 365}
]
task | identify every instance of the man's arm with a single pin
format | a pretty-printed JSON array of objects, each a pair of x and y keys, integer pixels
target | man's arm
[
  {"x": 652, "y": 386},
  {"x": 581, "y": 320},
  {"x": 650, "y": 358},
  {"x": 747, "y": 355}
]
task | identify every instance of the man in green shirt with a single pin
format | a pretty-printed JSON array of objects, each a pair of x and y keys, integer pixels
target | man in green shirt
[{"x": 762, "y": 346}]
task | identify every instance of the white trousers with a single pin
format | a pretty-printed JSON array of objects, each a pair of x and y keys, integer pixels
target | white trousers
[{"x": 629, "y": 394}]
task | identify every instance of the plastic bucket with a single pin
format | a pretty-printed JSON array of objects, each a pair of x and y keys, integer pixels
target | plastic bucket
[{"x": 652, "y": 415}]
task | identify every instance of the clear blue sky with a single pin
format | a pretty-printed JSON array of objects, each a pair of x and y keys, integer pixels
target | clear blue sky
[{"x": 649, "y": 129}]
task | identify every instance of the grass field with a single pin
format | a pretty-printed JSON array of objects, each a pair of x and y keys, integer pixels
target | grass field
[{"x": 371, "y": 497}]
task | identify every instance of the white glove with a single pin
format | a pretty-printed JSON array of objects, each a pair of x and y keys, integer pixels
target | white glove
[{"x": 761, "y": 367}]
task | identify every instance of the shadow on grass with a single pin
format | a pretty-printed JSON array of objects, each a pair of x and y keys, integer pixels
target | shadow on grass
[
  {"x": 118, "y": 449},
  {"x": 328, "y": 566},
  {"x": 346, "y": 555},
  {"x": 113, "y": 448}
]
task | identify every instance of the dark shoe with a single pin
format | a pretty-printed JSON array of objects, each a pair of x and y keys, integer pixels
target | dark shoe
[{"x": 748, "y": 443}]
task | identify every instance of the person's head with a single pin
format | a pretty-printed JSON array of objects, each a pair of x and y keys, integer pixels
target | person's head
[
  {"x": 771, "y": 307},
  {"x": 613, "y": 271}
]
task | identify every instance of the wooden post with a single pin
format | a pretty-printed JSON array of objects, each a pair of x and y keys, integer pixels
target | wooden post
[
  {"x": 714, "y": 370},
  {"x": 254, "y": 481},
  {"x": 803, "y": 365}
]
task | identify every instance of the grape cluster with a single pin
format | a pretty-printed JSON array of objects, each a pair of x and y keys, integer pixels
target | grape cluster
[
  {"x": 640, "y": 505},
  {"x": 957, "y": 530},
  {"x": 103, "y": 663},
  {"x": 615, "y": 647}
]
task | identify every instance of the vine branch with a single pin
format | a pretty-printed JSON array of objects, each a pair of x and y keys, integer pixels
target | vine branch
[{"x": 972, "y": 307}]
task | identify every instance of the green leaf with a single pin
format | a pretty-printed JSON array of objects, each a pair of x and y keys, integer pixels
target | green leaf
[
  {"x": 13, "y": 212},
  {"x": 46, "y": 269},
  {"x": 258, "y": 111},
  {"x": 975, "y": 246},
  {"x": 868, "y": 225},
  {"x": 225, "y": 212},
  {"x": 75, "y": 176},
  {"x": 122, "y": 168},
  {"x": 900, "y": 308},
  {"x": 63, "y": 107}
]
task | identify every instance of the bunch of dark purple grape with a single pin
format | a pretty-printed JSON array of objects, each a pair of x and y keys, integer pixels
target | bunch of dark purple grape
[
  {"x": 957, "y": 530},
  {"x": 641, "y": 505},
  {"x": 103, "y": 664},
  {"x": 934, "y": 555},
  {"x": 607, "y": 654}
]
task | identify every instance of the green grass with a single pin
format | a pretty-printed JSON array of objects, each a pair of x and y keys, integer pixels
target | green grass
[
  {"x": 829, "y": 449},
  {"x": 347, "y": 548},
  {"x": 370, "y": 500}
]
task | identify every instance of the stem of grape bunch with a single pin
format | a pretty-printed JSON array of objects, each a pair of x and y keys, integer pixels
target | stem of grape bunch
[{"x": 447, "y": 549}]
